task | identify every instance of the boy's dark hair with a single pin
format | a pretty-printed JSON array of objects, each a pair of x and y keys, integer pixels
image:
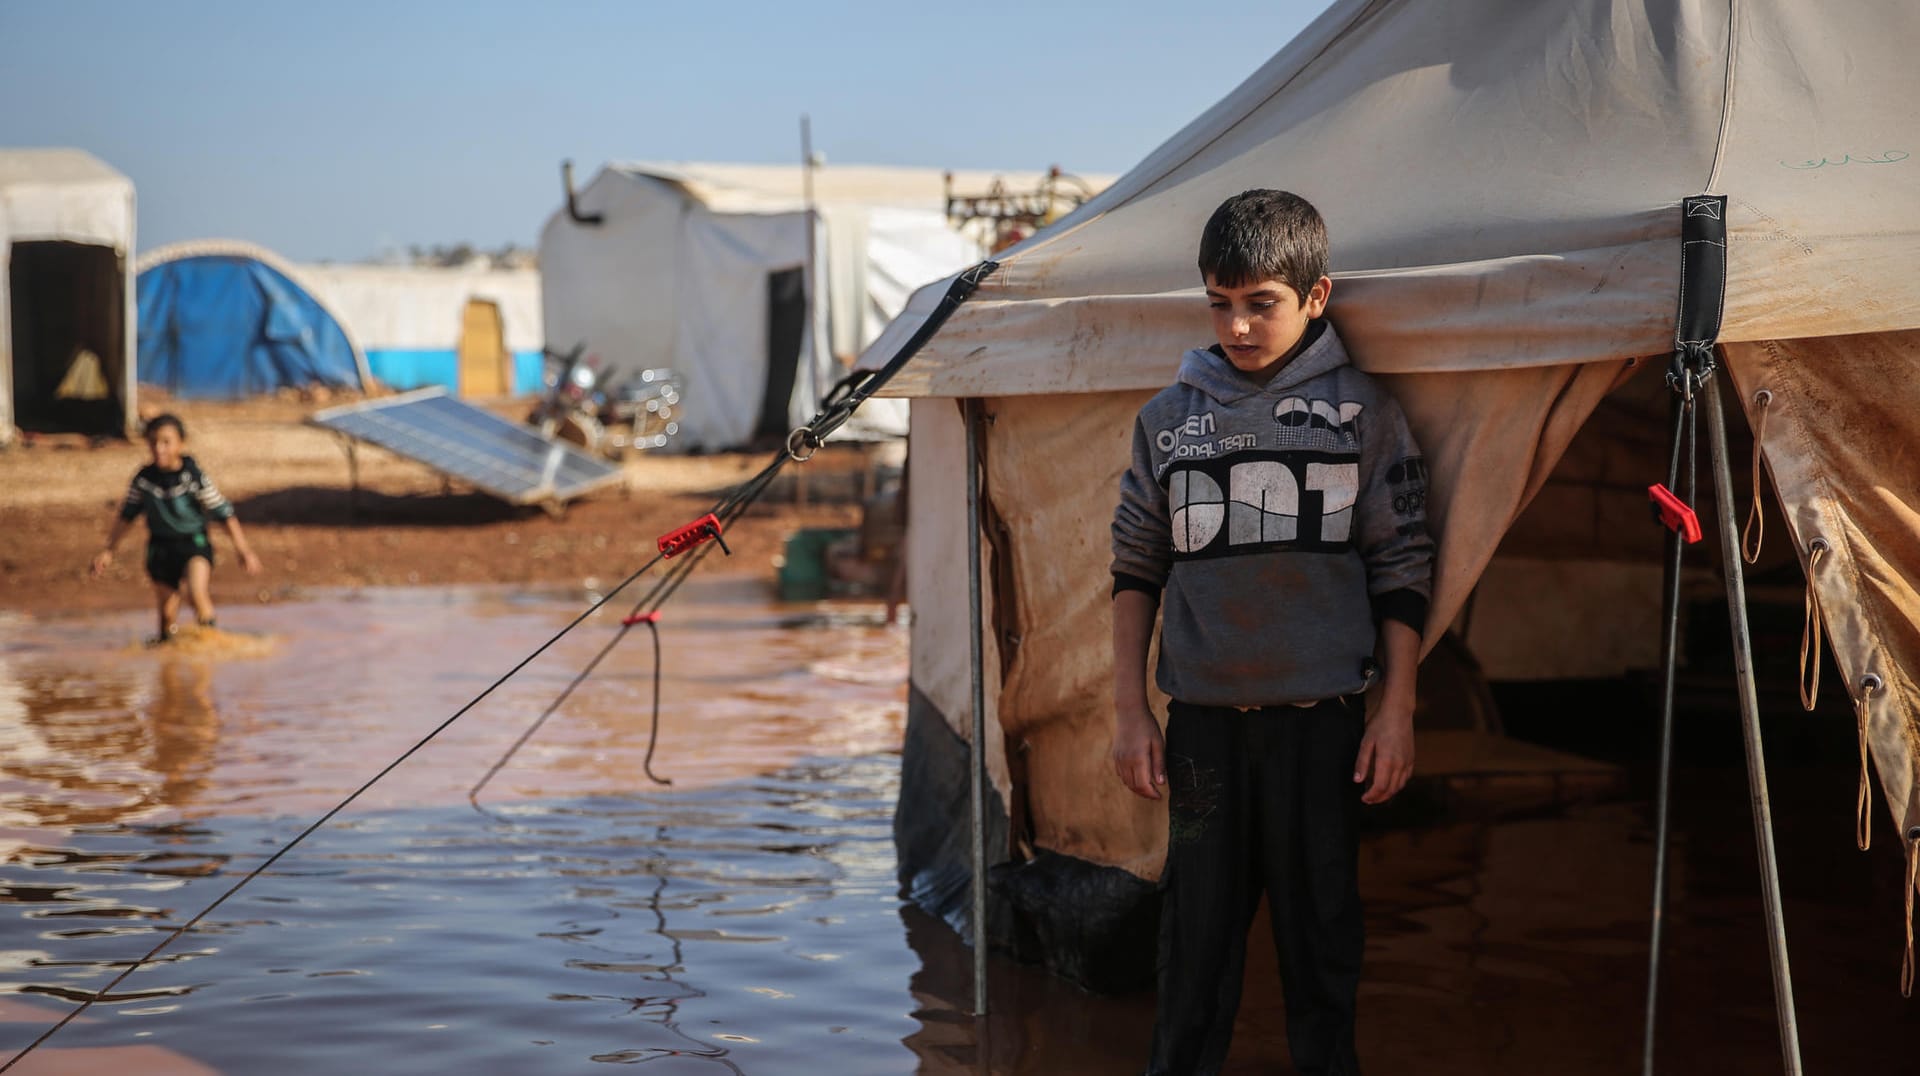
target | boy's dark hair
[
  {"x": 1265, "y": 235},
  {"x": 162, "y": 421}
]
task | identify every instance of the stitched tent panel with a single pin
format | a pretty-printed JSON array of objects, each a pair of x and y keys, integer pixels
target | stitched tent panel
[
  {"x": 1053, "y": 465},
  {"x": 1840, "y": 444},
  {"x": 1502, "y": 186},
  {"x": 937, "y": 580}
]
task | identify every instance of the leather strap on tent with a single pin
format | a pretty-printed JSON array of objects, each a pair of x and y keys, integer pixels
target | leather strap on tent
[
  {"x": 1913, "y": 882},
  {"x": 1870, "y": 685},
  {"x": 1810, "y": 630},
  {"x": 1703, "y": 282},
  {"x": 1755, "y": 532}
]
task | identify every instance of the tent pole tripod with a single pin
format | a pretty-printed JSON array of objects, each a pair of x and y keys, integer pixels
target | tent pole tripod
[
  {"x": 976, "y": 743},
  {"x": 1750, "y": 718}
]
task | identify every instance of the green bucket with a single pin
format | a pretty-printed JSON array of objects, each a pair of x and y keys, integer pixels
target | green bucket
[{"x": 803, "y": 570}]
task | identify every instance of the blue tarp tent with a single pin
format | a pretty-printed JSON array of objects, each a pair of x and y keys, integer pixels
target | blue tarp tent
[{"x": 226, "y": 320}]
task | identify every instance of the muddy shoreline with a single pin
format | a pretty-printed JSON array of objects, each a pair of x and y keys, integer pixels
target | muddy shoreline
[{"x": 404, "y": 526}]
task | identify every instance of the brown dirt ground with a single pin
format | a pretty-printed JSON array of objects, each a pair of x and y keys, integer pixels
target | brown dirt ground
[{"x": 290, "y": 484}]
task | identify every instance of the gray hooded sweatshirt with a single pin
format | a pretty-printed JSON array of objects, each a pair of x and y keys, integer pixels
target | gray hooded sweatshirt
[{"x": 1281, "y": 521}]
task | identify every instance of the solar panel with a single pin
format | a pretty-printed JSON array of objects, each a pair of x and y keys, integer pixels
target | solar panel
[{"x": 487, "y": 452}]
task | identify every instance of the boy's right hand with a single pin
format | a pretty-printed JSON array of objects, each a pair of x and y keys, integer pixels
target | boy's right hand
[
  {"x": 101, "y": 561},
  {"x": 1139, "y": 752}
]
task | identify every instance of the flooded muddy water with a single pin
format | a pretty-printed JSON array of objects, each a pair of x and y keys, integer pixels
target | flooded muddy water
[{"x": 746, "y": 918}]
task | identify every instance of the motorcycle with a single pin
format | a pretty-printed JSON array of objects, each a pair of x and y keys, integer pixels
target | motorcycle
[{"x": 579, "y": 407}]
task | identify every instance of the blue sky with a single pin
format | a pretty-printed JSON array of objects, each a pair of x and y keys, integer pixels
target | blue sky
[{"x": 334, "y": 130}]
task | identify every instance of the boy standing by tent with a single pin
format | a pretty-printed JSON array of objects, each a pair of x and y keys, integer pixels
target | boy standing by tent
[
  {"x": 177, "y": 498},
  {"x": 1275, "y": 515}
]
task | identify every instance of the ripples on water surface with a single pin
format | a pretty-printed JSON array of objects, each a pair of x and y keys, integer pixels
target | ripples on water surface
[
  {"x": 740, "y": 922},
  {"x": 726, "y": 928}
]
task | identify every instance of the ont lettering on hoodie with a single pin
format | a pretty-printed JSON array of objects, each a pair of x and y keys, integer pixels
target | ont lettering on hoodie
[{"x": 1284, "y": 518}]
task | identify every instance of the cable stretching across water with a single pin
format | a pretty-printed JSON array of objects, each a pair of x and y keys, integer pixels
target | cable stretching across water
[
  {"x": 328, "y": 817},
  {"x": 840, "y": 404},
  {"x": 644, "y": 612}
]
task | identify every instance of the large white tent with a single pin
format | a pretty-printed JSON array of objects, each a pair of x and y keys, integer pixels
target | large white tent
[
  {"x": 704, "y": 268},
  {"x": 1503, "y": 186},
  {"x": 66, "y": 293}
]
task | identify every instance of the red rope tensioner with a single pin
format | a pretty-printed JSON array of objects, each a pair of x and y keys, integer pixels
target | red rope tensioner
[
  {"x": 678, "y": 541},
  {"x": 1671, "y": 512}
]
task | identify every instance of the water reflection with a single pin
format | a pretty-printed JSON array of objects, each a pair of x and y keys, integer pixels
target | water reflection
[
  {"x": 749, "y": 923},
  {"x": 86, "y": 745},
  {"x": 94, "y": 730},
  {"x": 732, "y": 929}
]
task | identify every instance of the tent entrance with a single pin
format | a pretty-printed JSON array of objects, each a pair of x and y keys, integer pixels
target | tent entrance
[
  {"x": 69, "y": 338},
  {"x": 485, "y": 364},
  {"x": 786, "y": 332}
]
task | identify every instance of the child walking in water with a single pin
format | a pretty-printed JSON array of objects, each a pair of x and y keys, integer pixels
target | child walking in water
[{"x": 178, "y": 499}]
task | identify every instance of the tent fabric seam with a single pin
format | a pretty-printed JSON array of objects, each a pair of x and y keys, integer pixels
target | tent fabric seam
[{"x": 1726, "y": 95}]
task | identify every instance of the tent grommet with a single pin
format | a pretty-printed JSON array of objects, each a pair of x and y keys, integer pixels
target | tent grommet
[
  {"x": 1871, "y": 684},
  {"x": 1819, "y": 545},
  {"x": 1763, "y": 397}
]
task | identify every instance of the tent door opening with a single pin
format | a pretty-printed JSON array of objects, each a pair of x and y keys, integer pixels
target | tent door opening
[
  {"x": 69, "y": 338},
  {"x": 485, "y": 364},
  {"x": 786, "y": 333}
]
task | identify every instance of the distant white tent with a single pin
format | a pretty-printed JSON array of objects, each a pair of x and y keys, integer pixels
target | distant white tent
[
  {"x": 1503, "y": 185},
  {"x": 476, "y": 331},
  {"x": 66, "y": 294},
  {"x": 704, "y": 268}
]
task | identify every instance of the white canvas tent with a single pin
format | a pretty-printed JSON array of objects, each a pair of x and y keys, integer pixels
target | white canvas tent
[
  {"x": 1502, "y": 185},
  {"x": 427, "y": 325},
  {"x": 66, "y": 293},
  {"x": 704, "y": 268}
]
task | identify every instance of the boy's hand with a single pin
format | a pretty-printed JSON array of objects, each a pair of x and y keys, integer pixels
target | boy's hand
[
  {"x": 1386, "y": 751},
  {"x": 101, "y": 561},
  {"x": 1139, "y": 752},
  {"x": 250, "y": 562}
]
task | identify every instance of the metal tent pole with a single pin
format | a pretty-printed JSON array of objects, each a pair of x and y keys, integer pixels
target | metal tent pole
[
  {"x": 1750, "y": 716},
  {"x": 976, "y": 745}
]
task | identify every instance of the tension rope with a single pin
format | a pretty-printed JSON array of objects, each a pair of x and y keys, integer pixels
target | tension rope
[
  {"x": 836, "y": 408},
  {"x": 1693, "y": 377},
  {"x": 1673, "y": 507}
]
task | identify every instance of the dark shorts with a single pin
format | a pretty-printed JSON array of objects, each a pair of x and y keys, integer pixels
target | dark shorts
[{"x": 167, "y": 557}]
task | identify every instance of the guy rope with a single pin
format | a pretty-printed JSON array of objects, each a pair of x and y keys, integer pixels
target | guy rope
[
  {"x": 1694, "y": 379},
  {"x": 696, "y": 539}
]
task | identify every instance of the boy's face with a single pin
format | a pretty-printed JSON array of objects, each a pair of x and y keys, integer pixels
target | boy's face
[
  {"x": 167, "y": 445},
  {"x": 1259, "y": 322}
]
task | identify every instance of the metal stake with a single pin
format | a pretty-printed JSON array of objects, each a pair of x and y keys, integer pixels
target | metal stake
[
  {"x": 1750, "y": 715},
  {"x": 976, "y": 746}
]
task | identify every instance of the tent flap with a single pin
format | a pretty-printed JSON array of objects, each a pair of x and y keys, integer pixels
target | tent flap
[
  {"x": 1848, "y": 476},
  {"x": 1502, "y": 185}
]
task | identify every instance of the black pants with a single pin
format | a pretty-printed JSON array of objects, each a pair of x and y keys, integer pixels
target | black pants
[{"x": 1261, "y": 800}]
